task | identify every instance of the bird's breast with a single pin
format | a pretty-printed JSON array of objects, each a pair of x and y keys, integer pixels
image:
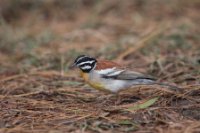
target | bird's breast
[{"x": 94, "y": 81}]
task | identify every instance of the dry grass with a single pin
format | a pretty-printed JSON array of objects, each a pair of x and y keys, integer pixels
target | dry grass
[{"x": 39, "y": 39}]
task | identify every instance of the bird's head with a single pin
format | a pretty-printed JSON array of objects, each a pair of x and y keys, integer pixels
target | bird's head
[{"x": 85, "y": 63}]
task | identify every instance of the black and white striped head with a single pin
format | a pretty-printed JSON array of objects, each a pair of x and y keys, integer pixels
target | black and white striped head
[{"x": 85, "y": 63}]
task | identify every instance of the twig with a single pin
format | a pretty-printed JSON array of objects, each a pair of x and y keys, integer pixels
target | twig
[
  {"x": 12, "y": 77},
  {"x": 27, "y": 94}
]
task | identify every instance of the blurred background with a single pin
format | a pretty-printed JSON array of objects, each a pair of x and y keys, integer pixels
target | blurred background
[
  {"x": 145, "y": 35},
  {"x": 39, "y": 39}
]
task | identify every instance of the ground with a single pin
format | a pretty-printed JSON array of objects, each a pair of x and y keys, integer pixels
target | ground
[{"x": 40, "y": 39}]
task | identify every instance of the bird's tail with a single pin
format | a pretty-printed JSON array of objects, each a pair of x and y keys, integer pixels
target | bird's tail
[{"x": 150, "y": 81}]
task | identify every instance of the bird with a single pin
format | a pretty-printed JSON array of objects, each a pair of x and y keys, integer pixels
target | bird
[{"x": 109, "y": 76}]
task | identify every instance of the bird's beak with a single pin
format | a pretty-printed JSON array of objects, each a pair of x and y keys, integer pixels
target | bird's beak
[{"x": 72, "y": 66}]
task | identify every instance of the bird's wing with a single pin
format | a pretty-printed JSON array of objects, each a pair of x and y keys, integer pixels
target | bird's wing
[
  {"x": 121, "y": 74},
  {"x": 112, "y": 70},
  {"x": 131, "y": 75}
]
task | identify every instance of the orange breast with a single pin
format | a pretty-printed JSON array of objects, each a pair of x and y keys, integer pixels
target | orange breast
[
  {"x": 95, "y": 85},
  {"x": 85, "y": 76}
]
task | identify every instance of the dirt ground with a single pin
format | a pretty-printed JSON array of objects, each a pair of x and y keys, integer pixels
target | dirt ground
[{"x": 40, "y": 39}]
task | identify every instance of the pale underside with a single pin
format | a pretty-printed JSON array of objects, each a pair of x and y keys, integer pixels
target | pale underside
[{"x": 115, "y": 80}]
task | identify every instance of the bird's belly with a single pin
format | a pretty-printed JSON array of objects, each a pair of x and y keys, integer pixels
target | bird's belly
[
  {"x": 99, "y": 86},
  {"x": 116, "y": 85},
  {"x": 108, "y": 85}
]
